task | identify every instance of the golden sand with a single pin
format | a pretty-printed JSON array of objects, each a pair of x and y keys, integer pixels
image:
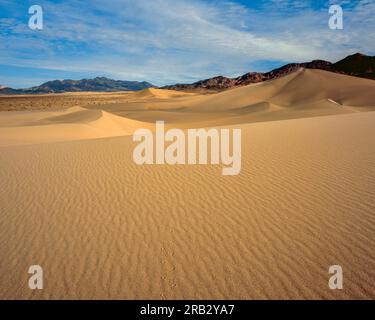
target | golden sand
[{"x": 73, "y": 201}]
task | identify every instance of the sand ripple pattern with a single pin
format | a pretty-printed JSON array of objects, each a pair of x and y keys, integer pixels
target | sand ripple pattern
[{"x": 102, "y": 227}]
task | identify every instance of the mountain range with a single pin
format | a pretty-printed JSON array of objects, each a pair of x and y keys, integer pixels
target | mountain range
[
  {"x": 358, "y": 65},
  {"x": 99, "y": 84}
]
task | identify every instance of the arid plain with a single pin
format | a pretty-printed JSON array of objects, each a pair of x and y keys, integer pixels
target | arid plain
[{"x": 73, "y": 201}]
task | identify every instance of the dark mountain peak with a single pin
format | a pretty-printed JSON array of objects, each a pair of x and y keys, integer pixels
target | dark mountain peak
[
  {"x": 358, "y": 55},
  {"x": 358, "y": 65}
]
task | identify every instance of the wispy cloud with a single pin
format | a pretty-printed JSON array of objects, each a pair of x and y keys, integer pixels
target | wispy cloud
[{"x": 166, "y": 41}]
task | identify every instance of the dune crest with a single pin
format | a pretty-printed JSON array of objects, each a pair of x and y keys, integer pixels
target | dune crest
[
  {"x": 160, "y": 93},
  {"x": 76, "y": 123}
]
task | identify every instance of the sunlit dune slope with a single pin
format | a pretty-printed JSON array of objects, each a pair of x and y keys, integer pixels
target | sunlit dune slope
[
  {"x": 73, "y": 124},
  {"x": 103, "y": 227}
]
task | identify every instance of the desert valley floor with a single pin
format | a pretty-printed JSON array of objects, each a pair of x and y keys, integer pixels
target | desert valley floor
[{"x": 73, "y": 201}]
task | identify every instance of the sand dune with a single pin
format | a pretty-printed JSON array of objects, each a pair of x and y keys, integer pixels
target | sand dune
[
  {"x": 72, "y": 124},
  {"x": 305, "y": 93},
  {"x": 160, "y": 94},
  {"x": 73, "y": 201},
  {"x": 103, "y": 227}
]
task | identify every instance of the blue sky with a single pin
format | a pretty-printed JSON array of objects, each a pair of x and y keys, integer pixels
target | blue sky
[{"x": 170, "y": 41}]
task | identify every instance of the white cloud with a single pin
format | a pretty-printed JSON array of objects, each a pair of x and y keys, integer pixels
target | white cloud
[{"x": 167, "y": 41}]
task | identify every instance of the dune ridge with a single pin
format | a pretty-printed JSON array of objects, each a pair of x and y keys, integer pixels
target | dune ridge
[{"x": 75, "y": 123}]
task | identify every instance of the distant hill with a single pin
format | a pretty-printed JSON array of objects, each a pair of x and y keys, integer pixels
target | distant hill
[
  {"x": 99, "y": 84},
  {"x": 358, "y": 65}
]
